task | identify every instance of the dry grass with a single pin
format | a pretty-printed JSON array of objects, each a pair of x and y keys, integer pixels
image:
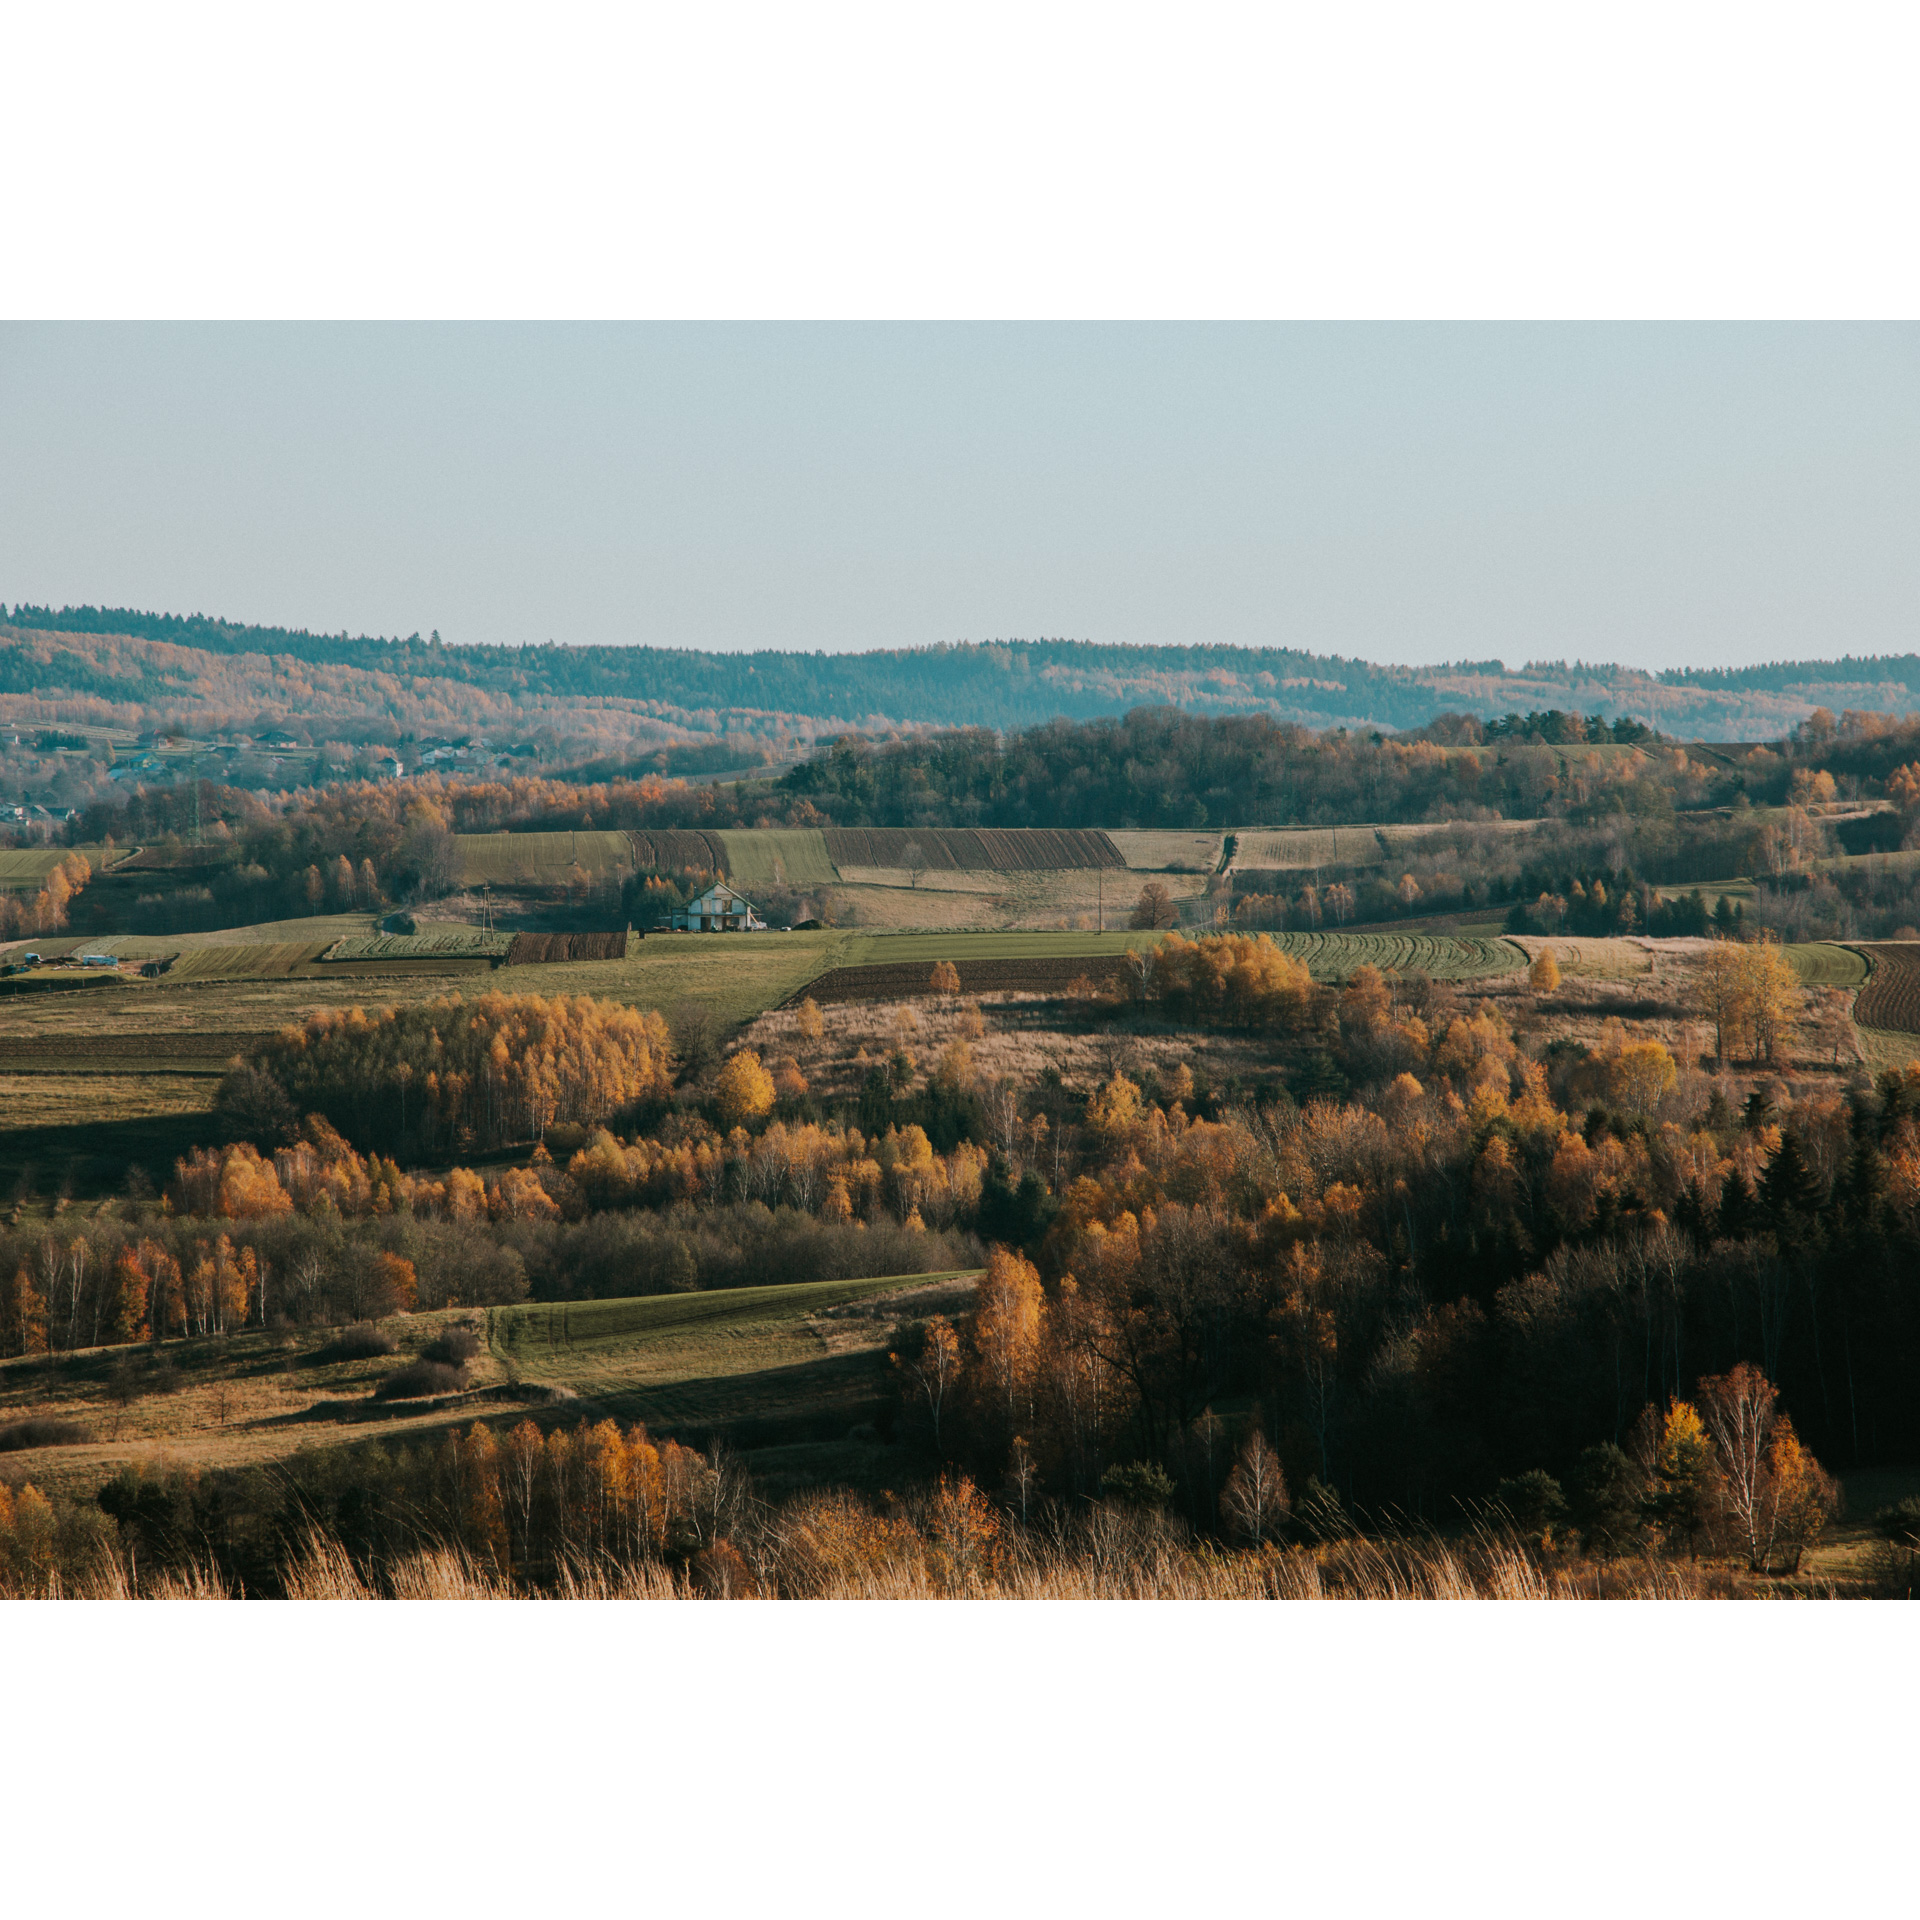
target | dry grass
[
  {"x": 1032, "y": 901},
  {"x": 1018, "y": 1043},
  {"x": 1155, "y": 851},
  {"x": 1112, "y": 1557}
]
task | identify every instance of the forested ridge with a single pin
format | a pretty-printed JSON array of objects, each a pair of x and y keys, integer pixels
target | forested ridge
[{"x": 1006, "y": 683}]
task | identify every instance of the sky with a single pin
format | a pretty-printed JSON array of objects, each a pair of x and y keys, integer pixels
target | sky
[{"x": 1656, "y": 495}]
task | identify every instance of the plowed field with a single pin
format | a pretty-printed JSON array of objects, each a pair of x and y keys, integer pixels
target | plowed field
[
  {"x": 702, "y": 852},
  {"x": 1891, "y": 998},
  {"x": 1002, "y": 849},
  {"x": 542, "y": 949}
]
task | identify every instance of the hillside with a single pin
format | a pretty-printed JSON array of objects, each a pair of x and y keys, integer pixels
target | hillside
[{"x": 102, "y": 665}]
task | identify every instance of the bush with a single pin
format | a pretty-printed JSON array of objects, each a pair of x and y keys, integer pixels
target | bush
[
  {"x": 1137, "y": 1483},
  {"x": 361, "y": 1342},
  {"x": 452, "y": 1348},
  {"x": 1901, "y": 1521},
  {"x": 21, "y": 1434},
  {"x": 421, "y": 1381}
]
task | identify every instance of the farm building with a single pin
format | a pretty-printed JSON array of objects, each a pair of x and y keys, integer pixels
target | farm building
[{"x": 718, "y": 910}]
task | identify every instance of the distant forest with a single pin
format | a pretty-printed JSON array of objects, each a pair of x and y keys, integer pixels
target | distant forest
[{"x": 1014, "y": 683}]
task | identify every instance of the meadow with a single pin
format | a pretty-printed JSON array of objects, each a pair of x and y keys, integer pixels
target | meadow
[
  {"x": 776, "y": 1365},
  {"x": 779, "y": 856},
  {"x": 539, "y": 859}
]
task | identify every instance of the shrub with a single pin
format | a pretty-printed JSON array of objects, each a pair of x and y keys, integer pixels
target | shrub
[
  {"x": 1137, "y": 1483},
  {"x": 421, "y": 1381},
  {"x": 21, "y": 1434},
  {"x": 361, "y": 1342},
  {"x": 1901, "y": 1521},
  {"x": 452, "y": 1348}
]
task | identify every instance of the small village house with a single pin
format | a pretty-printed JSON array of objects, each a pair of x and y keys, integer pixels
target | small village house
[{"x": 718, "y": 910}]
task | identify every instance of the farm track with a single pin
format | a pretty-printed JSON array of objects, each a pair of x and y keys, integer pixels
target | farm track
[{"x": 1890, "y": 1001}]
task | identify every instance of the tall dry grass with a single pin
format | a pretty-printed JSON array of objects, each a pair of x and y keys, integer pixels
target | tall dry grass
[{"x": 1114, "y": 1558}]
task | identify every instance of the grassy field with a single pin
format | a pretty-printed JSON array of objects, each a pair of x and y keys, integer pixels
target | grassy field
[
  {"x": 761, "y": 1364},
  {"x": 448, "y": 939},
  {"x": 22, "y": 869},
  {"x": 1824, "y": 963},
  {"x": 275, "y": 960},
  {"x": 1156, "y": 851},
  {"x": 1296, "y": 849},
  {"x": 1444, "y": 956},
  {"x": 539, "y": 858},
  {"x": 765, "y": 857},
  {"x": 690, "y": 1360}
]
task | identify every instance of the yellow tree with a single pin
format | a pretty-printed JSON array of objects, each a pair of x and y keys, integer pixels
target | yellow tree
[
  {"x": 744, "y": 1090},
  {"x": 23, "y": 1315},
  {"x": 1685, "y": 1474},
  {"x": 1639, "y": 1077},
  {"x": 1771, "y": 991},
  {"x": 934, "y": 1371},
  {"x": 1801, "y": 1495},
  {"x": 945, "y": 977},
  {"x": 1719, "y": 994},
  {"x": 1544, "y": 975},
  {"x": 1009, "y": 1309}
]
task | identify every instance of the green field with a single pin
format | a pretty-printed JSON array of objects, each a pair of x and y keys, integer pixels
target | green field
[
  {"x": 545, "y": 858},
  {"x": 22, "y": 869},
  {"x": 684, "y": 1359},
  {"x": 1824, "y": 963},
  {"x": 431, "y": 942},
  {"x": 1443, "y": 956},
  {"x": 767, "y": 857},
  {"x": 276, "y": 960}
]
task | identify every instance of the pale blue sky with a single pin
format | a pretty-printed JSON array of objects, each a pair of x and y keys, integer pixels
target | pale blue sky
[{"x": 1659, "y": 495}]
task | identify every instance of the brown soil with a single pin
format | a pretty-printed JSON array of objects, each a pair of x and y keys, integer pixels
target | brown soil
[
  {"x": 536, "y": 949},
  {"x": 1891, "y": 998}
]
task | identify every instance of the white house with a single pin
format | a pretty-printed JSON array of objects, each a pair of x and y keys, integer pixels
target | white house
[{"x": 718, "y": 910}]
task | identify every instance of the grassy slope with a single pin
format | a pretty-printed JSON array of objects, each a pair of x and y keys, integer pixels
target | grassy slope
[
  {"x": 801, "y": 851},
  {"x": 757, "y": 1361},
  {"x": 747, "y": 1353},
  {"x": 504, "y": 857}
]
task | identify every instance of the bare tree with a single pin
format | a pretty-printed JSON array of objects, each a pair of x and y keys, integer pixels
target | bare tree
[
  {"x": 913, "y": 857},
  {"x": 1255, "y": 1501}
]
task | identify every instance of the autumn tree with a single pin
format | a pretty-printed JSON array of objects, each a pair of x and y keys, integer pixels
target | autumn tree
[
  {"x": 945, "y": 978},
  {"x": 1685, "y": 1487},
  {"x": 1154, "y": 908},
  {"x": 1008, "y": 1313},
  {"x": 1544, "y": 975},
  {"x": 934, "y": 1371},
  {"x": 810, "y": 1022},
  {"x": 744, "y": 1091}
]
